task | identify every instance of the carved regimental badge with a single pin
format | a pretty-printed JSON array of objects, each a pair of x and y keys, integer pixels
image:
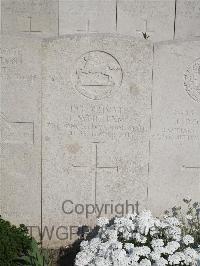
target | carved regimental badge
[
  {"x": 192, "y": 80},
  {"x": 97, "y": 74}
]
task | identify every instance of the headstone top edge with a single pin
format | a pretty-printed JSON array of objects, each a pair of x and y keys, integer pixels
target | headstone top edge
[
  {"x": 177, "y": 42},
  {"x": 96, "y": 36},
  {"x": 21, "y": 37},
  {"x": 48, "y": 39}
]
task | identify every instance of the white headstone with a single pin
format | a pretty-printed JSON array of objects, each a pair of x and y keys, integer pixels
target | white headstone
[
  {"x": 20, "y": 131},
  {"x": 187, "y": 19},
  {"x": 87, "y": 16},
  {"x": 151, "y": 19},
  {"x": 96, "y": 111},
  {"x": 175, "y": 144},
  {"x": 35, "y": 17}
]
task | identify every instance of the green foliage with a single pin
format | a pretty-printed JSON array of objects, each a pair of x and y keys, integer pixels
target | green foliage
[
  {"x": 35, "y": 257},
  {"x": 14, "y": 242},
  {"x": 17, "y": 248}
]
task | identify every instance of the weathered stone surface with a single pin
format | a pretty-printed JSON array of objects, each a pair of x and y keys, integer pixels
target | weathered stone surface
[
  {"x": 155, "y": 18},
  {"x": 0, "y": 15},
  {"x": 106, "y": 137},
  {"x": 96, "y": 110},
  {"x": 175, "y": 143},
  {"x": 187, "y": 19},
  {"x": 32, "y": 17},
  {"x": 87, "y": 16},
  {"x": 20, "y": 130}
]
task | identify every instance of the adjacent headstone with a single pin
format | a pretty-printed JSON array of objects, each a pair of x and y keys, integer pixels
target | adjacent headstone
[
  {"x": 20, "y": 140},
  {"x": 175, "y": 143},
  {"x": 146, "y": 19},
  {"x": 187, "y": 19},
  {"x": 96, "y": 122},
  {"x": 87, "y": 16},
  {"x": 35, "y": 17}
]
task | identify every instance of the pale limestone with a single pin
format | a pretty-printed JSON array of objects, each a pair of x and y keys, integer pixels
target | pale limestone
[
  {"x": 87, "y": 16},
  {"x": 187, "y": 19},
  {"x": 175, "y": 142},
  {"x": 31, "y": 17},
  {"x": 0, "y": 16},
  {"x": 155, "y": 18},
  {"x": 106, "y": 136},
  {"x": 20, "y": 130},
  {"x": 96, "y": 111}
]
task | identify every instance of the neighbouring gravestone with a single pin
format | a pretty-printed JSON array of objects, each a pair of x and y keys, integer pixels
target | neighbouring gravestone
[
  {"x": 20, "y": 131},
  {"x": 155, "y": 18},
  {"x": 187, "y": 19},
  {"x": 96, "y": 122},
  {"x": 87, "y": 16},
  {"x": 35, "y": 17},
  {"x": 175, "y": 143}
]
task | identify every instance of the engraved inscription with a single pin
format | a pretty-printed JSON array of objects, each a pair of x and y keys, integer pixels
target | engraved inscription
[
  {"x": 184, "y": 127},
  {"x": 113, "y": 122},
  {"x": 192, "y": 80},
  {"x": 10, "y": 57},
  {"x": 97, "y": 74}
]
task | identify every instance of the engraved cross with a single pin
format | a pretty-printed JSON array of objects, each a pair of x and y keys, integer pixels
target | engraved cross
[
  {"x": 146, "y": 31},
  {"x": 30, "y": 27},
  {"x": 191, "y": 167},
  {"x": 87, "y": 30},
  {"x": 97, "y": 166},
  {"x": 17, "y": 132}
]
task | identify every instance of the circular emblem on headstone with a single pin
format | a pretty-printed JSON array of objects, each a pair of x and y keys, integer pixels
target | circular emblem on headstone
[
  {"x": 192, "y": 80},
  {"x": 97, "y": 74}
]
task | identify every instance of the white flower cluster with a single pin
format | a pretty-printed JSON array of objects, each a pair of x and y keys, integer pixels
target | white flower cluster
[{"x": 138, "y": 240}]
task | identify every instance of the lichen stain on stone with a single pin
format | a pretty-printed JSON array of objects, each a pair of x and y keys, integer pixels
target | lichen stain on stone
[{"x": 73, "y": 148}]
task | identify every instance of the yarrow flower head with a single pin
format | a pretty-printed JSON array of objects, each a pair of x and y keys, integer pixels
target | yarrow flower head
[
  {"x": 102, "y": 221},
  {"x": 188, "y": 239},
  {"x": 145, "y": 222},
  {"x": 157, "y": 243},
  {"x": 189, "y": 217}
]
